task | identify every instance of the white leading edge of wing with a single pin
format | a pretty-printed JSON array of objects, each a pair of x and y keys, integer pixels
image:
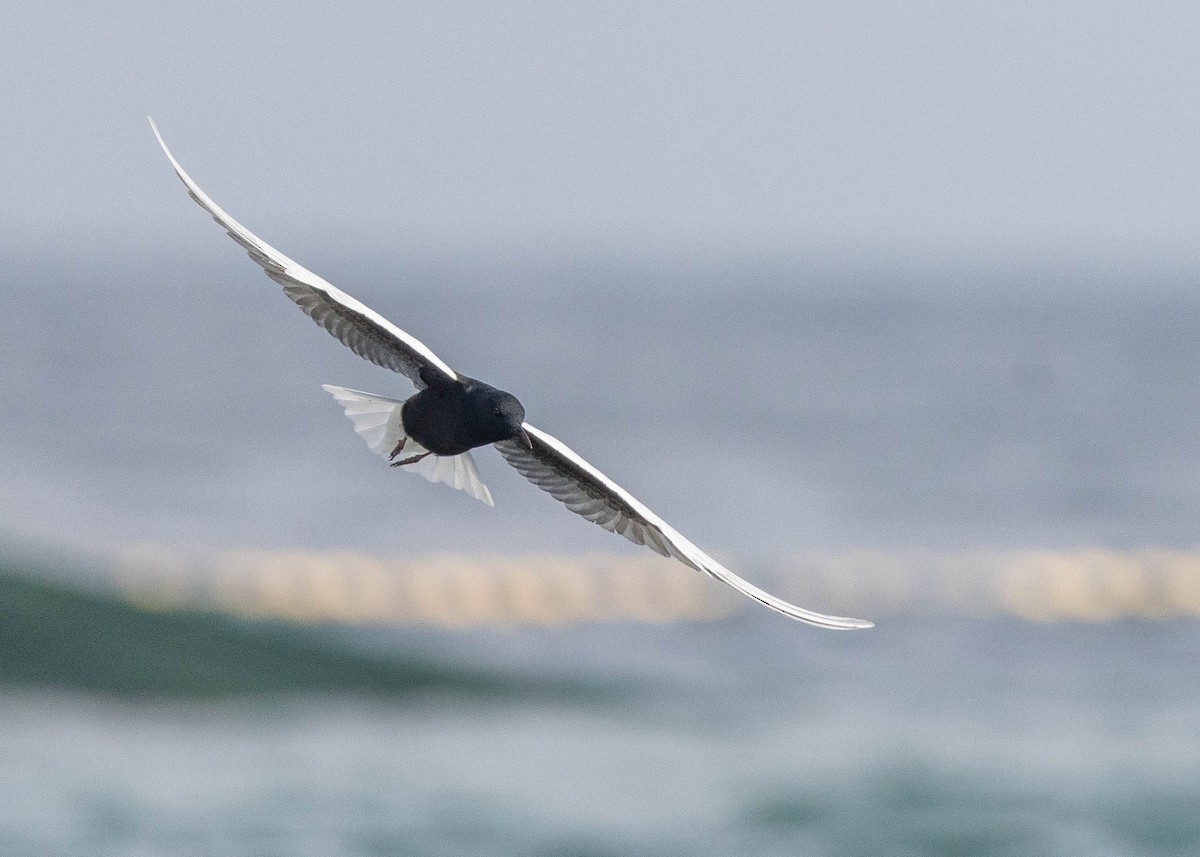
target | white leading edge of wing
[
  {"x": 365, "y": 331},
  {"x": 563, "y": 473}
]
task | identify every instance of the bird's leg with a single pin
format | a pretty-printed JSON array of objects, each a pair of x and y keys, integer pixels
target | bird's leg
[{"x": 412, "y": 459}]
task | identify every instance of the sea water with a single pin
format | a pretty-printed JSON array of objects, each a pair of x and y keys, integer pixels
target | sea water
[
  {"x": 754, "y": 736},
  {"x": 765, "y": 411}
]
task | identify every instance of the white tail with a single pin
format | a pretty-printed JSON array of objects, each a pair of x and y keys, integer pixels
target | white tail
[{"x": 377, "y": 421}]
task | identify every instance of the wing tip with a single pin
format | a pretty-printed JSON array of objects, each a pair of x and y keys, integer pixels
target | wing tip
[
  {"x": 157, "y": 135},
  {"x": 179, "y": 171},
  {"x": 820, "y": 620},
  {"x": 857, "y": 625}
]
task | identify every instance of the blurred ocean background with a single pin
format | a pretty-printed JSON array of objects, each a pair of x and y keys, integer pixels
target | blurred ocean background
[
  {"x": 283, "y": 647},
  {"x": 891, "y": 309}
]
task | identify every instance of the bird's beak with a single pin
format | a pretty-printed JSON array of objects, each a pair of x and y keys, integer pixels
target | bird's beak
[{"x": 525, "y": 439}]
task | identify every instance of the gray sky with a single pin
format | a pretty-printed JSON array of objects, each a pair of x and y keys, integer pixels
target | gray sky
[{"x": 926, "y": 130}]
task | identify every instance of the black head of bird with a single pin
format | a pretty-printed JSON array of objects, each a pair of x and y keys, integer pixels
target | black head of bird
[{"x": 501, "y": 416}]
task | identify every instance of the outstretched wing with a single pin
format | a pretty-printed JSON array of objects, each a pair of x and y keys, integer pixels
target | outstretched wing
[
  {"x": 555, "y": 468},
  {"x": 366, "y": 332}
]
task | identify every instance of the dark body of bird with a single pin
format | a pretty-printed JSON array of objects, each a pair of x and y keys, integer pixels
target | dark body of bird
[{"x": 450, "y": 417}]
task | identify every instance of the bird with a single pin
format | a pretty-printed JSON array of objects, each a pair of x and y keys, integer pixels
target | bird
[{"x": 433, "y": 432}]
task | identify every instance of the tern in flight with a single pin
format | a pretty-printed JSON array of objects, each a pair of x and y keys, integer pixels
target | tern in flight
[{"x": 433, "y": 432}]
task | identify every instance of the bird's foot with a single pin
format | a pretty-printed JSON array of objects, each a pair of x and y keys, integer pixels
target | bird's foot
[
  {"x": 412, "y": 459},
  {"x": 399, "y": 446}
]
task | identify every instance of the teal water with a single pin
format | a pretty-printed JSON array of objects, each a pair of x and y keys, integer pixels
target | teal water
[{"x": 728, "y": 738}]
